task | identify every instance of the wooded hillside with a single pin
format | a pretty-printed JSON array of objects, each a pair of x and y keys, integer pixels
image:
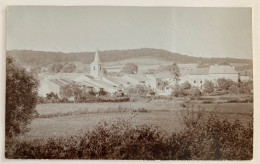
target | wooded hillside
[{"x": 41, "y": 58}]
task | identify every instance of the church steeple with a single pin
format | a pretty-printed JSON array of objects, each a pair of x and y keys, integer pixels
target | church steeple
[
  {"x": 97, "y": 60},
  {"x": 96, "y": 67}
]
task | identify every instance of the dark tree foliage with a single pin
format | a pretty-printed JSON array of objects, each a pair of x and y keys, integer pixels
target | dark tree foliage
[
  {"x": 52, "y": 96},
  {"x": 186, "y": 85},
  {"x": 139, "y": 90},
  {"x": 102, "y": 92},
  {"x": 208, "y": 87},
  {"x": 21, "y": 98},
  {"x": 234, "y": 88},
  {"x": 162, "y": 84},
  {"x": 224, "y": 84},
  {"x": 130, "y": 68},
  {"x": 194, "y": 92},
  {"x": 71, "y": 90},
  {"x": 173, "y": 69}
]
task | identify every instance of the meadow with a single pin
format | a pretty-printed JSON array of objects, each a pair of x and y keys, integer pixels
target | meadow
[{"x": 69, "y": 119}]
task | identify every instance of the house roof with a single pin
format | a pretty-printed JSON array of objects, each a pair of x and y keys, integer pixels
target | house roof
[
  {"x": 199, "y": 71},
  {"x": 222, "y": 69},
  {"x": 64, "y": 75},
  {"x": 136, "y": 77},
  {"x": 84, "y": 78},
  {"x": 162, "y": 75},
  {"x": 47, "y": 86}
]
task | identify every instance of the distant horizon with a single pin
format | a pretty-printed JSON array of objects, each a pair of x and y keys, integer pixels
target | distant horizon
[
  {"x": 198, "y": 32},
  {"x": 125, "y": 50}
]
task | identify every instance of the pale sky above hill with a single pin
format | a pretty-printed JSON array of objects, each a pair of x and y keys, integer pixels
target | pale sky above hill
[{"x": 203, "y": 32}]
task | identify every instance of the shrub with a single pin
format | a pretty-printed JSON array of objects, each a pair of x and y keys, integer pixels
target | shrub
[
  {"x": 233, "y": 89},
  {"x": 186, "y": 85},
  {"x": 204, "y": 137},
  {"x": 207, "y": 102},
  {"x": 245, "y": 87},
  {"x": 139, "y": 92},
  {"x": 177, "y": 91},
  {"x": 208, "y": 86},
  {"x": 194, "y": 92},
  {"x": 224, "y": 84}
]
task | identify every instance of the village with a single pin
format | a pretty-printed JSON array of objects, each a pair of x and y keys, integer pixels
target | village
[{"x": 160, "y": 82}]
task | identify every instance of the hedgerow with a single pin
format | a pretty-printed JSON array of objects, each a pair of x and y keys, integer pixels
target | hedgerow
[{"x": 204, "y": 137}]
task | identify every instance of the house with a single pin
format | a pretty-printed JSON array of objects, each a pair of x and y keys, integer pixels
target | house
[{"x": 198, "y": 76}]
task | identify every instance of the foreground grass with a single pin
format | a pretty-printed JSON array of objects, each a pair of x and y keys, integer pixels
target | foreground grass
[
  {"x": 205, "y": 136},
  {"x": 61, "y": 120}
]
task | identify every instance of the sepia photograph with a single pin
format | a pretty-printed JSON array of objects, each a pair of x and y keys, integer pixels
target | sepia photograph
[{"x": 129, "y": 83}]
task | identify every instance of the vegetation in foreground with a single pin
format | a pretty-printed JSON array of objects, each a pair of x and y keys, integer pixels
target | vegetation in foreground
[{"x": 204, "y": 137}]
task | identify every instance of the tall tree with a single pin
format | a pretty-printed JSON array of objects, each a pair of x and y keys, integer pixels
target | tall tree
[
  {"x": 130, "y": 68},
  {"x": 174, "y": 69},
  {"x": 21, "y": 98}
]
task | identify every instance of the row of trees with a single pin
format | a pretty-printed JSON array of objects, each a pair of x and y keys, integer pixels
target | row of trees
[
  {"x": 229, "y": 86},
  {"x": 223, "y": 85},
  {"x": 185, "y": 89}
]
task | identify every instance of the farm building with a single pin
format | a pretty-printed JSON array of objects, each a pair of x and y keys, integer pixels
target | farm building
[{"x": 198, "y": 76}]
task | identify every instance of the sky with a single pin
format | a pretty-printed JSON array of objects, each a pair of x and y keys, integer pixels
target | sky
[{"x": 200, "y": 32}]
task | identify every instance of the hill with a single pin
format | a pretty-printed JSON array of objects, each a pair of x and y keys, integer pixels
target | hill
[{"x": 42, "y": 58}]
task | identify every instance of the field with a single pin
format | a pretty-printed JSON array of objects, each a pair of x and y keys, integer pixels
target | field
[{"x": 62, "y": 120}]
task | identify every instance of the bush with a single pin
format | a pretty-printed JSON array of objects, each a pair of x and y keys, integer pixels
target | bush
[
  {"x": 204, "y": 137},
  {"x": 207, "y": 102},
  {"x": 139, "y": 92},
  {"x": 245, "y": 87},
  {"x": 194, "y": 92},
  {"x": 224, "y": 84},
  {"x": 186, "y": 85},
  {"x": 177, "y": 91},
  {"x": 233, "y": 89},
  {"x": 208, "y": 87}
]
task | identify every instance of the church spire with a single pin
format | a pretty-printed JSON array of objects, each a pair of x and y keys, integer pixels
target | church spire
[{"x": 97, "y": 60}]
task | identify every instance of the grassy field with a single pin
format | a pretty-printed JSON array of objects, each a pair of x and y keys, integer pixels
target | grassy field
[{"x": 57, "y": 120}]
